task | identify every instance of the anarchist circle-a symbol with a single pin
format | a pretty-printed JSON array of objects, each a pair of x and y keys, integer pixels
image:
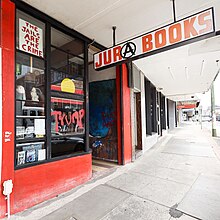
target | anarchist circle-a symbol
[{"x": 128, "y": 50}]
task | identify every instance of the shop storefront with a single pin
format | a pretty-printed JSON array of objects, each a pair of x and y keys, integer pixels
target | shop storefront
[
  {"x": 44, "y": 110},
  {"x": 45, "y": 115}
]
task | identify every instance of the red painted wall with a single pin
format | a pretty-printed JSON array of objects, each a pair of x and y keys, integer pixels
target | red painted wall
[
  {"x": 126, "y": 115},
  {"x": 39, "y": 183},
  {"x": 8, "y": 47}
]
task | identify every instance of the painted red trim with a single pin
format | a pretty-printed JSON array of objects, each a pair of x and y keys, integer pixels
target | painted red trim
[
  {"x": 126, "y": 116},
  {"x": 118, "y": 115},
  {"x": 186, "y": 106},
  {"x": 8, "y": 69},
  {"x": 39, "y": 183}
]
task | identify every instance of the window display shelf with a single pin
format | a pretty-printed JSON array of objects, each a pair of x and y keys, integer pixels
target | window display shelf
[
  {"x": 27, "y": 140},
  {"x": 27, "y": 116}
]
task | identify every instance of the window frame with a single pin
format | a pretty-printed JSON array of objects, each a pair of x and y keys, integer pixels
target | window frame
[{"x": 49, "y": 24}]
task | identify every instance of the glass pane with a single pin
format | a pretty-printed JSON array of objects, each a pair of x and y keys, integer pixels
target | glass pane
[
  {"x": 65, "y": 83},
  {"x": 67, "y": 117},
  {"x": 67, "y": 101},
  {"x": 67, "y": 43},
  {"x": 67, "y": 126},
  {"x": 30, "y": 97},
  {"x": 67, "y": 63},
  {"x": 30, "y": 152},
  {"x": 30, "y": 34}
]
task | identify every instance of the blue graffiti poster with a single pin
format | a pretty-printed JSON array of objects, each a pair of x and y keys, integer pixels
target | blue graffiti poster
[{"x": 102, "y": 119}]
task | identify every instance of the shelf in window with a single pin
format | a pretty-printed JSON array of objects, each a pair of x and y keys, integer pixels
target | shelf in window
[
  {"x": 30, "y": 140},
  {"x": 66, "y": 95},
  {"x": 26, "y": 100},
  {"x": 31, "y": 117},
  {"x": 80, "y": 135},
  {"x": 22, "y": 144}
]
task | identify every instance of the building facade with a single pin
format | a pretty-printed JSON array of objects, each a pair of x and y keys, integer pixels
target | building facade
[{"x": 57, "y": 112}]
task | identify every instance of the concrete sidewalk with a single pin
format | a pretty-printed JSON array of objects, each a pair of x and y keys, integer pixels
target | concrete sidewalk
[{"x": 179, "y": 178}]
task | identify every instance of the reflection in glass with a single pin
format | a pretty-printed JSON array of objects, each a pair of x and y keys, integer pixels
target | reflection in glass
[
  {"x": 67, "y": 95},
  {"x": 67, "y": 117},
  {"x": 30, "y": 96}
]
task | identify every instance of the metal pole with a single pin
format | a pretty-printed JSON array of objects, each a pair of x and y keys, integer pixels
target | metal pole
[
  {"x": 114, "y": 28},
  {"x": 174, "y": 11},
  {"x": 201, "y": 116},
  {"x": 213, "y": 110},
  {"x": 8, "y": 206}
]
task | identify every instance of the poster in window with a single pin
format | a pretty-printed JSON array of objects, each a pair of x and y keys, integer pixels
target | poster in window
[
  {"x": 21, "y": 158},
  {"x": 39, "y": 127},
  {"x": 20, "y": 131},
  {"x": 31, "y": 156},
  {"x": 32, "y": 151},
  {"x": 30, "y": 38},
  {"x": 41, "y": 154}
]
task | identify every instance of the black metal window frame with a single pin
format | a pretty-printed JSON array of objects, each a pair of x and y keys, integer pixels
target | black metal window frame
[
  {"x": 150, "y": 107},
  {"x": 49, "y": 24}
]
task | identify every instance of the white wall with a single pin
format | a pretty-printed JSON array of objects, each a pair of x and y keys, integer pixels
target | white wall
[
  {"x": 172, "y": 123},
  {"x": 147, "y": 140},
  {"x": 94, "y": 75}
]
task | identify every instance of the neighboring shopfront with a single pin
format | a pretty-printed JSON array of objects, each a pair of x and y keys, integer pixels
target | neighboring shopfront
[
  {"x": 152, "y": 114},
  {"x": 45, "y": 115}
]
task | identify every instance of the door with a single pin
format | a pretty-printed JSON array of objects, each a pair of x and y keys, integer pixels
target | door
[{"x": 138, "y": 124}]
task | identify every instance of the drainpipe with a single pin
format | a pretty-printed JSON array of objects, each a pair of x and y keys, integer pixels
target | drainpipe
[{"x": 7, "y": 190}]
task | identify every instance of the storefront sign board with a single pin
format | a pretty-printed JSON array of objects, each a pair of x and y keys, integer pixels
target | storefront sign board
[{"x": 190, "y": 28}]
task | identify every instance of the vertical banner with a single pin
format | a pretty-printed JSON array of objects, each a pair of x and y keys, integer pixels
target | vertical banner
[{"x": 30, "y": 38}]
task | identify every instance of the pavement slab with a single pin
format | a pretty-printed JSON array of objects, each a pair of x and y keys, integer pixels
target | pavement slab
[
  {"x": 164, "y": 192},
  {"x": 130, "y": 182},
  {"x": 191, "y": 150},
  {"x": 180, "y": 176},
  {"x": 90, "y": 206},
  {"x": 135, "y": 208},
  {"x": 203, "y": 200}
]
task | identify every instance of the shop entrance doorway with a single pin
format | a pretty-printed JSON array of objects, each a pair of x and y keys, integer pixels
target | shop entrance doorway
[
  {"x": 137, "y": 122},
  {"x": 103, "y": 120}
]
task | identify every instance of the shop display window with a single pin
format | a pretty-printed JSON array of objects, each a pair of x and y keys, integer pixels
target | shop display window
[
  {"x": 48, "y": 124},
  {"x": 67, "y": 96},
  {"x": 30, "y": 97}
]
